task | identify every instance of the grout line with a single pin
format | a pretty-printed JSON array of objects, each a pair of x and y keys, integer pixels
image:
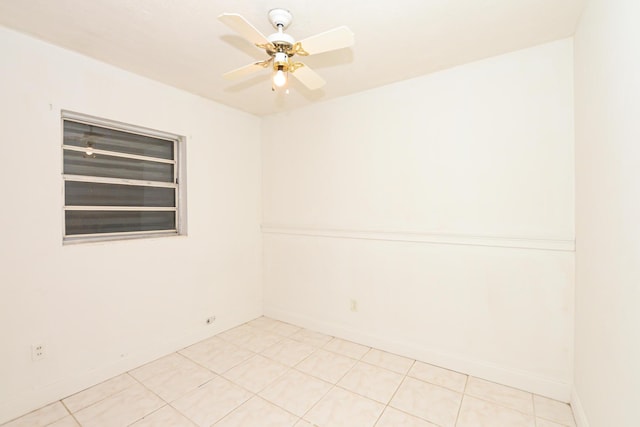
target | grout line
[
  {"x": 394, "y": 392},
  {"x": 95, "y": 385},
  {"x": 278, "y": 406},
  {"x": 447, "y": 387},
  {"x": 75, "y": 419},
  {"x": 152, "y": 392},
  {"x": 71, "y": 414},
  {"x": 184, "y": 415},
  {"x": 316, "y": 403},
  {"x": 500, "y": 404},
  {"x": 48, "y": 424},
  {"x": 462, "y": 395},
  {"x": 231, "y": 411},
  {"x": 181, "y": 413},
  {"x": 65, "y": 407}
]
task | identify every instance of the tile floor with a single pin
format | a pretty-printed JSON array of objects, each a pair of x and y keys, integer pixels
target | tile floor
[{"x": 269, "y": 373}]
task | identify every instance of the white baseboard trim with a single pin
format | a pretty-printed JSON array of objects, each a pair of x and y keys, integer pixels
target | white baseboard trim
[
  {"x": 519, "y": 379},
  {"x": 549, "y": 244},
  {"x": 578, "y": 409}
]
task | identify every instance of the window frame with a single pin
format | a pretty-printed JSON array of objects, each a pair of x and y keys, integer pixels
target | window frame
[{"x": 178, "y": 184}]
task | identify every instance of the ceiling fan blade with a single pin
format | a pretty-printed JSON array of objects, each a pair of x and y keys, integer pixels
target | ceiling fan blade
[
  {"x": 308, "y": 77},
  {"x": 241, "y": 26},
  {"x": 246, "y": 70},
  {"x": 329, "y": 40}
]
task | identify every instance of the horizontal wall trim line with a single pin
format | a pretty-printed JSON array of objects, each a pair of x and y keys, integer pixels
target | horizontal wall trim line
[{"x": 549, "y": 244}]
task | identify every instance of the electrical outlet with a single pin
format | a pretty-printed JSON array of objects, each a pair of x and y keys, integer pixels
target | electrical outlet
[
  {"x": 354, "y": 305},
  {"x": 210, "y": 320},
  {"x": 38, "y": 352}
]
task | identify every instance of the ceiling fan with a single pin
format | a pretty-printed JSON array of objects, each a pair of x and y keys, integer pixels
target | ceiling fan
[{"x": 281, "y": 48}]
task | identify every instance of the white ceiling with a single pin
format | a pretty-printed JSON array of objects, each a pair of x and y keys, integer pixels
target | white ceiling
[{"x": 181, "y": 43}]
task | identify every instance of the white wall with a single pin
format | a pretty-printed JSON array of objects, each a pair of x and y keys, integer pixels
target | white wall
[
  {"x": 444, "y": 206},
  {"x": 104, "y": 308},
  {"x": 607, "y": 106}
]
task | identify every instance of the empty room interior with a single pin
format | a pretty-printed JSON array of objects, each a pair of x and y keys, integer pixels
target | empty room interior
[{"x": 296, "y": 213}]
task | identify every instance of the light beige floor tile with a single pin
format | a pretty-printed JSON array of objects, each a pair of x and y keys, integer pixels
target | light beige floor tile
[
  {"x": 261, "y": 341},
  {"x": 393, "y": 418},
  {"x": 289, "y": 352},
  {"x": 275, "y": 326},
  {"x": 159, "y": 366},
  {"x": 174, "y": 383},
  {"x": 256, "y": 373},
  {"x": 263, "y": 323},
  {"x": 500, "y": 394},
  {"x": 98, "y": 392},
  {"x": 67, "y": 421},
  {"x": 251, "y": 338},
  {"x": 40, "y": 417},
  {"x": 438, "y": 376},
  {"x": 326, "y": 365},
  {"x": 389, "y": 361},
  {"x": 479, "y": 413},
  {"x": 553, "y": 410},
  {"x": 343, "y": 408},
  {"x": 371, "y": 381},
  {"x": 546, "y": 423},
  {"x": 296, "y": 392},
  {"x": 201, "y": 350},
  {"x": 285, "y": 329},
  {"x": 346, "y": 348},
  {"x": 165, "y": 416},
  {"x": 304, "y": 423},
  {"x": 258, "y": 412},
  {"x": 217, "y": 354},
  {"x": 212, "y": 401},
  {"x": 433, "y": 403},
  {"x": 238, "y": 333},
  {"x": 120, "y": 409},
  {"x": 311, "y": 337}
]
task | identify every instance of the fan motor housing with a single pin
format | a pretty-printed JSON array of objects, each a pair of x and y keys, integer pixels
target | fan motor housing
[{"x": 281, "y": 39}]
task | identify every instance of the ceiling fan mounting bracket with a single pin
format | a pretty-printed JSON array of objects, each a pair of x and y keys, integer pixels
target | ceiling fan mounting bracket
[{"x": 280, "y": 18}]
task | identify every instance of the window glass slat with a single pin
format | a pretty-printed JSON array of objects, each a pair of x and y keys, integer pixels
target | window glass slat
[
  {"x": 78, "y": 163},
  {"x": 97, "y": 194},
  {"x": 98, "y": 222},
  {"x": 82, "y": 134}
]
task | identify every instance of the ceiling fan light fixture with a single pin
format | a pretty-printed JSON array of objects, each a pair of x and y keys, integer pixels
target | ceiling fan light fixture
[
  {"x": 280, "y": 68},
  {"x": 280, "y": 78}
]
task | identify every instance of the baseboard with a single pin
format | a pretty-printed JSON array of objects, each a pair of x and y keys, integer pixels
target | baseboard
[
  {"x": 29, "y": 400},
  {"x": 519, "y": 379},
  {"x": 578, "y": 409}
]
